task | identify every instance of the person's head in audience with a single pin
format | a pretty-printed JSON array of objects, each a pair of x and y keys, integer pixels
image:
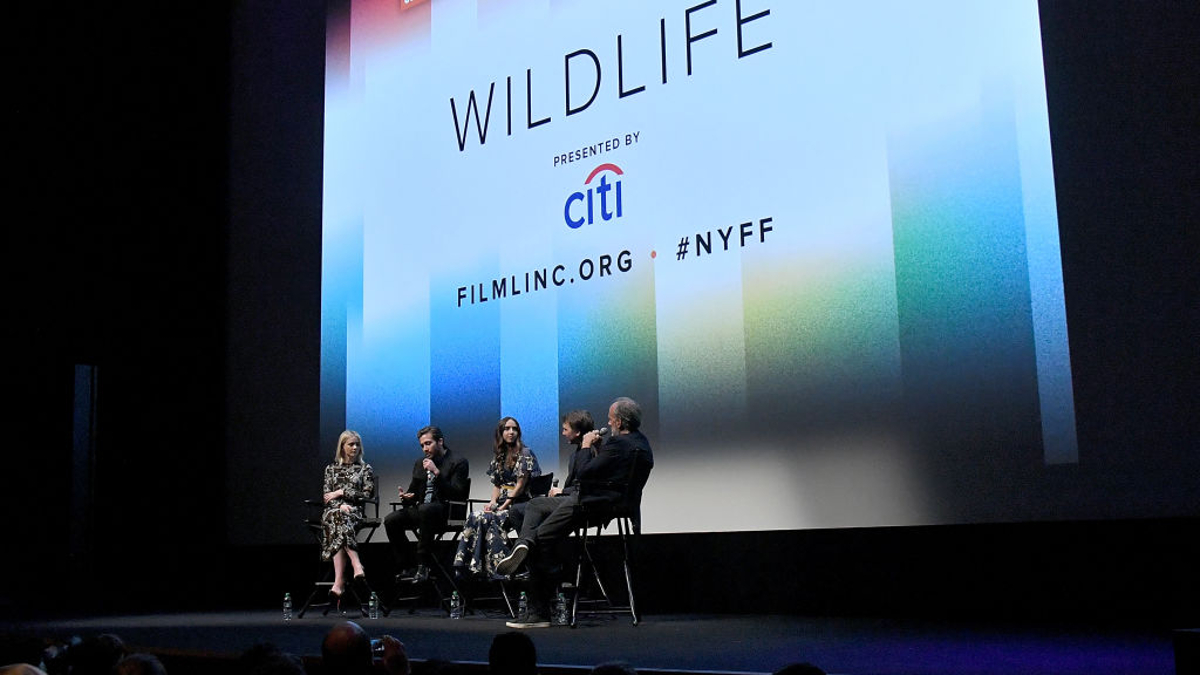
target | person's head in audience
[
  {"x": 21, "y": 669},
  {"x": 346, "y": 650},
  {"x": 799, "y": 669},
  {"x": 614, "y": 668},
  {"x": 139, "y": 664},
  {"x": 395, "y": 658},
  {"x": 95, "y": 655},
  {"x": 267, "y": 659},
  {"x": 512, "y": 653},
  {"x": 575, "y": 424},
  {"x": 54, "y": 657}
]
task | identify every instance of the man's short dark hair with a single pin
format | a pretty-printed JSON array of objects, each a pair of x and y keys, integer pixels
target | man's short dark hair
[
  {"x": 435, "y": 431},
  {"x": 139, "y": 664},
  {"x": 96, "y": 654},
  {"x": 512, "y": 653},
  {"x": 346, "y": 650},
  {"x": 580, "y": 420},
  {"x": 265, "y": 658}
]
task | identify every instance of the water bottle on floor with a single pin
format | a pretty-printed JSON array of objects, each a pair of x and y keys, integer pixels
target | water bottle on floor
[
  {"x": 373, "y": 606},
  {"x": 523, "y": 607},
  {"x": 287, "y": 606},
  {"x": 456, "y": 606},
  {"x": 561, "y": 617}
]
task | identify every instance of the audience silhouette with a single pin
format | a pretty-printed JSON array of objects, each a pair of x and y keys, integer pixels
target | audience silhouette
[
  {"x": 346, "y": 649},
  {"x": 139, "y": 664},
  {"x": 512, "y": 653},
  {"x": 267, "y": 659}
]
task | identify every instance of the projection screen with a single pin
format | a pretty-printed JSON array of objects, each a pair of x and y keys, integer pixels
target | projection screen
[{"x": 817, "y": 241}]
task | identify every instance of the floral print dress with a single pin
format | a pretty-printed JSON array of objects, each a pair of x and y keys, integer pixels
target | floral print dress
[
  {"x": 483, "y": 543},
  {"x": 358, "y": 482}
]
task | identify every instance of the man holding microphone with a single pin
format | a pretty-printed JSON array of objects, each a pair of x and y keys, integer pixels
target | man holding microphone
[
  {"x": 603, "y": 469},
  {"x": 439, "y": 476}
]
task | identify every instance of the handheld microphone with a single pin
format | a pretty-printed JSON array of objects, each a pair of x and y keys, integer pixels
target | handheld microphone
[{"x": 603, "y": 431}]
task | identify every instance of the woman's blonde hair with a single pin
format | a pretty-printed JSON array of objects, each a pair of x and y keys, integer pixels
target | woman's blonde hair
[{"x": 339, "y": 456}]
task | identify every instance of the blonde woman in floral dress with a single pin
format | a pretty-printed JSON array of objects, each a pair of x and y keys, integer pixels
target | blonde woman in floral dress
[{"x": 349, "y": 483}]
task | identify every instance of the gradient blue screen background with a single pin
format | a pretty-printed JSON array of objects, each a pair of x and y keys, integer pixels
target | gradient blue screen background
[{"x": 866, "y": 327}]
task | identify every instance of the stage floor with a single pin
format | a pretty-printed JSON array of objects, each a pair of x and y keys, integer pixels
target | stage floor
[{"x": 757, "y": 644}]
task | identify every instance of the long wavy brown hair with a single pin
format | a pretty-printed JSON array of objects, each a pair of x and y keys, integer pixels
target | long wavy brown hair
[{"x": 501, "y": 448}]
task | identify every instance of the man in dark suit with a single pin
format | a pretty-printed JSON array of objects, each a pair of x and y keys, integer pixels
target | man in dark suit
[
  {"x": 603, "y": 470},
  {"x": 437, "y": 477},
  {"x": 575, "y": 425}
]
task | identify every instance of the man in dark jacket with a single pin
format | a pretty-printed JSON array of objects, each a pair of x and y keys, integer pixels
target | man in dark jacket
[
  {"x": 437, "y": 477},
  {"x": 575, "y": 425}
]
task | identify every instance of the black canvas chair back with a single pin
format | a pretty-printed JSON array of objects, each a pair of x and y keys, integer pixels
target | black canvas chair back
[
  {"x": 639, "y": 475},
  {"x": 629, "y": 506},
  {"x": 539, "y": 486}
]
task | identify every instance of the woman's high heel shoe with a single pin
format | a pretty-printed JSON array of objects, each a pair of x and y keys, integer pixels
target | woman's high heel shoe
[
  {"x": 335, "y": 601},
  {"x": 363, "y": 590}
]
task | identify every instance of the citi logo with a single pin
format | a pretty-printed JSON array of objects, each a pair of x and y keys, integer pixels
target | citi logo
[{"x": 576, "y": 213}]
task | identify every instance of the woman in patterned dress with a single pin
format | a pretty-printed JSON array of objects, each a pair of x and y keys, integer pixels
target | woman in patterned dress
[
  {"x": 349, "y": 482},
  {"x": 513, "y": 465}
]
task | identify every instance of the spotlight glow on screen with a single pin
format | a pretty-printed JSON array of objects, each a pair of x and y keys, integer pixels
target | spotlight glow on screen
[{"x": 817, "y": 241}]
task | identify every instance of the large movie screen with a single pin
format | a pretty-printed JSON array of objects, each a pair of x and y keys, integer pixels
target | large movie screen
[{"x": 816, "y": 240}]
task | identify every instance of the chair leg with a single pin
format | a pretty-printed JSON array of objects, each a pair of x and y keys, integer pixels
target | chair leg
[
  {"x": 312, "y": 597},
  {"x": 628, "y": 573},
  {"x": 591, "y": 560},
  {"x": 437, "y": 576},
  {"x": 362, "y": 589},
  {"x": 578, "y": 578},
  {"x": 448, "y": 579},
  {"x": 507, "y": 600},
  {"x": 588, "y": 557}
]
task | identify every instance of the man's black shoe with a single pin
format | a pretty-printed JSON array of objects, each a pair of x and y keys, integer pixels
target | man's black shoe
[
  {"x": 513, "y": 560},
  {"x": 531, "y": 620},
  {"x": 421, "y": 573}
]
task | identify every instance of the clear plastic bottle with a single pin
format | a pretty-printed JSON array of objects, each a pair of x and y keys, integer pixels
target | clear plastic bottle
[
  {"x": 560, "y": 617},
  {"x": 373, "y": 606},
  {"x": 456, "y": 606},
  {"x": 287, "y": 606},
  {"x": 523, "y": 607}
]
